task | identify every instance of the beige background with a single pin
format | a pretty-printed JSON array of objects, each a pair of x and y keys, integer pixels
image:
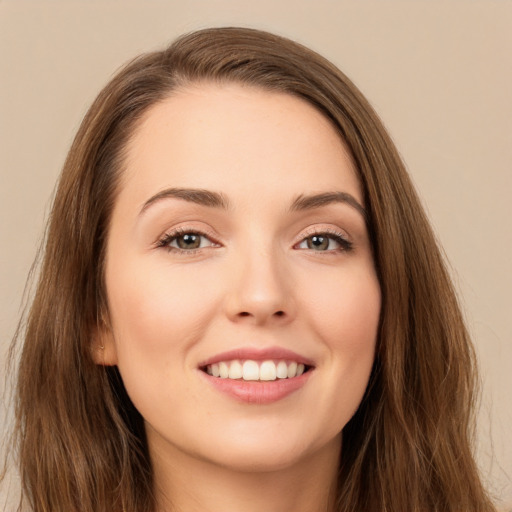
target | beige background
[{"x": 439, "y": 73}]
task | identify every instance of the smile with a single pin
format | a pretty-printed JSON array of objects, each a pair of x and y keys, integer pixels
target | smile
[
  {"x": 257, "y": 376},
  {"x": 250, "y": 370}
]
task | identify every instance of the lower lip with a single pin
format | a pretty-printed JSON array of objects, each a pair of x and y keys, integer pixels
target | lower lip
[{"x": 258, "y": 392}]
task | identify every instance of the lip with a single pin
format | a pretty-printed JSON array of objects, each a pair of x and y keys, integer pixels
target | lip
[{"x": 257, "y": 392}]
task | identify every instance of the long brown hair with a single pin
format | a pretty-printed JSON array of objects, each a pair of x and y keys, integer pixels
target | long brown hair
[{"x": 80, "y": 442}]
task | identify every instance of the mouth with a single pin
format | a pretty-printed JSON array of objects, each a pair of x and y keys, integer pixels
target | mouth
[
  {"x": 254, "y": 370},
  {"x": 257, "y": 376}
]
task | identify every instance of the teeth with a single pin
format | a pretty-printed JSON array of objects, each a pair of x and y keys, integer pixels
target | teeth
[
  {"x": 223, "y": 370},
  {"x": 253, "y": 370},
  {"x": 292, "y": 370},
  {"x": 268, "y": 370},
  {"x": 235, "y": 370},
  {"x": 282, "y": 370}
]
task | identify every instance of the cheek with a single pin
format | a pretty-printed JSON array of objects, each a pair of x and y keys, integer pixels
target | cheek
[
  {"x": 346, "y": 317},
  {"x": 157, "y": 312},
  {"x": 145, "y": 299},
  {"x": 346, "y": 309},
  {"x": 354, "y": 337}
]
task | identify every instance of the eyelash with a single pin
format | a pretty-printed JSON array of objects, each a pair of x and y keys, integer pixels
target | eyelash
[
  {"x": 340, "y": 238},
  {"x": 169, "y": 238},
  {"x": 166, "y": 241}
]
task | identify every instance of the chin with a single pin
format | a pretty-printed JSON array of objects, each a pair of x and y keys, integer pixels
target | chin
[
  {"x": 249, "y": 454},
  {"x": 244, "y": 460}
]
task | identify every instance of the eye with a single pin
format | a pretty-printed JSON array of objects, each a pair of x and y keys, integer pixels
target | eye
[
  {"x": 185, "y": 241},
  {"x": 325, "y": 242}
]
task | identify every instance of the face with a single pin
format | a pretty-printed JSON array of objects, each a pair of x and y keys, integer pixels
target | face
[{"x": 242, "y": 293}]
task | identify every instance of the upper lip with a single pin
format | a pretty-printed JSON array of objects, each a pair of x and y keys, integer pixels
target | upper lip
[{"x": 258, "y": 354}]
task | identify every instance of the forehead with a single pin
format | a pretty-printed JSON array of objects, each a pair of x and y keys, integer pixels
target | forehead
[{"x": 232, "y": 138}]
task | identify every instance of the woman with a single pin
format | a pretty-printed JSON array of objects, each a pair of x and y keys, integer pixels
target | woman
[{"x": 241, "y": 304}]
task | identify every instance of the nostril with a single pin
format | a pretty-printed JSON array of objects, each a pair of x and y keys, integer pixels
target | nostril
[{"x": 261, "y": 315}]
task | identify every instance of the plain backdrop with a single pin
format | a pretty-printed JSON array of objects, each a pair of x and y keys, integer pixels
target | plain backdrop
[{"x": 438, "y": 72}]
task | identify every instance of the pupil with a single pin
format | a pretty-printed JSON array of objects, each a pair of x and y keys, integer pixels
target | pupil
[
  {"x": 189, "y": 241},
  {"x": 318, "y": 242}
]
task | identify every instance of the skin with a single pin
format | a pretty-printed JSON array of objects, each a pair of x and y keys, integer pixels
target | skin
[{"x": 255, "y": 283}]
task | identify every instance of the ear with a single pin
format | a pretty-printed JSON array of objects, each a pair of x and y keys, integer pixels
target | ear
[{"x": 103, "y": 346}]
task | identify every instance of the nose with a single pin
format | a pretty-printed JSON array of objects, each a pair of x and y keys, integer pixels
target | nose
[{"x": 260, "y": 291}]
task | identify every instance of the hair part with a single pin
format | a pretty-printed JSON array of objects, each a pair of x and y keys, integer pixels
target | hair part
[{"x": 81, "y": 443}]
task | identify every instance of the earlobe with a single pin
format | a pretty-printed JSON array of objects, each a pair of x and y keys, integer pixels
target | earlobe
[{"x": 103, "y": 347}]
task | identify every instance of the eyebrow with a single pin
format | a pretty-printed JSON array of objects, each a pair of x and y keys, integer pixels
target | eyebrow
[
  {"x": 192, "y": 195},
  {"x": 311, "y": 202},
  {"x": 217, "y": 200}
]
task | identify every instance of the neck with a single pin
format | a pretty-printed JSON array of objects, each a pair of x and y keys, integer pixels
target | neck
[{"x": 187, "y": 484}]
